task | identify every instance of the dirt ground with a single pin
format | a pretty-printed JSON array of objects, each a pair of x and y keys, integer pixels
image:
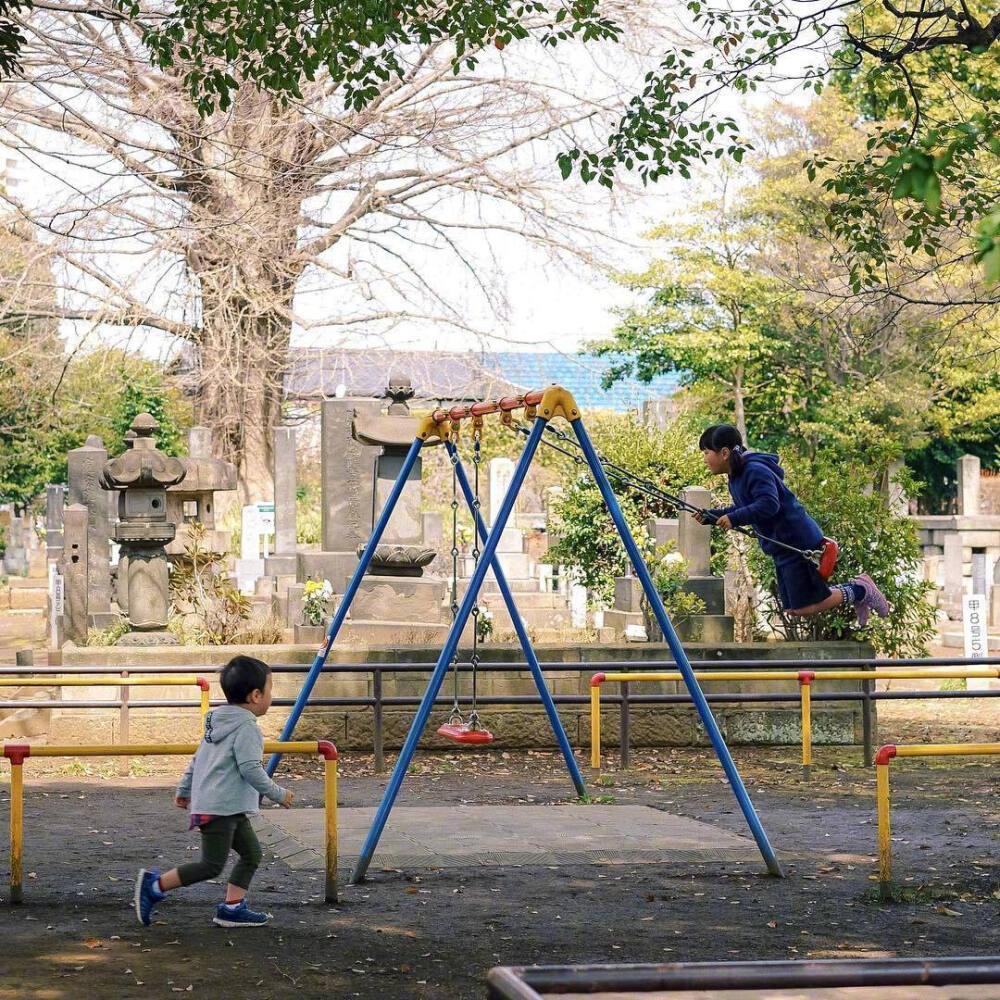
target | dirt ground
[{"x": 436, "y": 933}]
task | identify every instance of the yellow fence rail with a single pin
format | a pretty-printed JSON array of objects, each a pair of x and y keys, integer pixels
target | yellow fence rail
[
  {"x": 17, "y": 753},
  {"x": 804, "y": 678},
  {"x": 882, "y": 760}
]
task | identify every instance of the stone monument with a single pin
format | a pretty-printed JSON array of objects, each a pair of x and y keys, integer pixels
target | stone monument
[
  {"x": 395, "y": 587},
  {"x": 55, "y": 505},
  {"x": 346, "y": 485},
  {"x": 282, "y": 563},
  {"x": 193, "y": 498},
  {"x": 142, "y": 474},
  {"x": 85, "y": 465}
]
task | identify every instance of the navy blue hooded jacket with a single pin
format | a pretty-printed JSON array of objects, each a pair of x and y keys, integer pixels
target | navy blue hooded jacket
[{"x": 765, "y": 503}]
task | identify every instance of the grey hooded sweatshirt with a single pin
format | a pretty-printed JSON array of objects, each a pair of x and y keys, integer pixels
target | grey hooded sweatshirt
[{"x": 225, "y": 776}]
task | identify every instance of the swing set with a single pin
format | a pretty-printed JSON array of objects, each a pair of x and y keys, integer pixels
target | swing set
[{"x": 539, "y": 409}]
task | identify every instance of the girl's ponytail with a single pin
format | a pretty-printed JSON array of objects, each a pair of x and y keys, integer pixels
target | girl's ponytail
[{"x": 736, "y": 459}]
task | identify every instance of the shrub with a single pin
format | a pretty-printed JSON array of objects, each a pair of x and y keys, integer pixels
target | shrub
[{"x": 588, "y": 542}]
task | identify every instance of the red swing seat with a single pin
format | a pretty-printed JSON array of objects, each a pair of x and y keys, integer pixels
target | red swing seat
[
  {"x": 463, "y": 733},
  {"x": 828, "y": 557}
]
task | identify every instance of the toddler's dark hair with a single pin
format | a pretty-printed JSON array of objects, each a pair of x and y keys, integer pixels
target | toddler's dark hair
[
  {"x": 720, "y": 436},
  {"x": 241, "y": 676}
]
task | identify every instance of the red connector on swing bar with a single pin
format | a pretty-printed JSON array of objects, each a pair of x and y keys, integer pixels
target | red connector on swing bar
[
  {"x": 828, "y": 560},
  {"x": 463, "y": 734}
]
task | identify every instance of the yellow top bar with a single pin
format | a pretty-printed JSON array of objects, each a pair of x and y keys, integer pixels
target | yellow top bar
[
  {"x": 95, "y": 681},
  {"x": 887, "y": 673},
  {"x": 948, "y": 749},
  {"x": 157, "y": 749}
]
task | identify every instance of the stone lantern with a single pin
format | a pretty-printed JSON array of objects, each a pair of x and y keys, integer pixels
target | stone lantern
[{"x": 142, "y": 474}]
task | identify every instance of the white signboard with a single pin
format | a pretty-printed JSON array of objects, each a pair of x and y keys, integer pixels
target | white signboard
[{"x": 975, "y": 615}]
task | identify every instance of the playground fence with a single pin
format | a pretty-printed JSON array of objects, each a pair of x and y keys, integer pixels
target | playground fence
[
  {"x": 882, "y": 760},
  {"x": 377, "y": 701},
  {"x": 17, "y": 753}
]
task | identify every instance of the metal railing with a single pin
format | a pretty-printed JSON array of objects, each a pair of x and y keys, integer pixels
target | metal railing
[
  {"x": 882, "y": 759},
  {"x": 539, "y": 981},
  {"x": 378, "y": 702},
  {"x": 805, "y": 679},
  {"x": 17, "y": 753}
]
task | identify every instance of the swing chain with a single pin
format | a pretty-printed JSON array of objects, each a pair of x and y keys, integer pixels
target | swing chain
[
  {"x": 476, "y": 552},
  {"x": 456, "y": 712}
]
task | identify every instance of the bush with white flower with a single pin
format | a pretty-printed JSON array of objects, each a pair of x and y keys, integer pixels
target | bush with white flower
[
  {"x": 318, "y": 594},
  {"x": 484, "y": 624}
]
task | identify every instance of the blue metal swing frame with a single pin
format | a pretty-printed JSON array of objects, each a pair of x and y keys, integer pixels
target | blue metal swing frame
[{"x": 488, "y": 560}]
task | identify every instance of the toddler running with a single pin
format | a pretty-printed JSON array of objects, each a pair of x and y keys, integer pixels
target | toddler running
[{"x": 222, "y": 784}]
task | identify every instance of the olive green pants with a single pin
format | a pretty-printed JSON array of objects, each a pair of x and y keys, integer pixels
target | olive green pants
[{"x": 222, "y": 835}]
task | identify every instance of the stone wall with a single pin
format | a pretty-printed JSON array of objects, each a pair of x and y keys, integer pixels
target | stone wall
[{"x": 513, "y": 726}]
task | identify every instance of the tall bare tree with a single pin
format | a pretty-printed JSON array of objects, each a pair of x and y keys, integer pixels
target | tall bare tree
[{"x": 219, "y": 231}]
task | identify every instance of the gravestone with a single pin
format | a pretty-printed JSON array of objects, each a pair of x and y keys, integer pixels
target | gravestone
[
  {"x": 15, "y": 557},
  {"x": 257, "y": 529},
  {"x": 84, "y": 472},
  {"x": 395, "y": 587},
  {"x": 347, "y": 477},
  {"x": 510, "y": 549},
  {"x": 283, "y": 562},
  {"x": 969, "y": 471},
  {"x": 55, "y": 504},
  {"x": 74, "y": 573}
]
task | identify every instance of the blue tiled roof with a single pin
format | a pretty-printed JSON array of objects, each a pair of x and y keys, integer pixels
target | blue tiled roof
[
  {"x": 465, "y": 375},
  {"x": 581, "y": 374}
]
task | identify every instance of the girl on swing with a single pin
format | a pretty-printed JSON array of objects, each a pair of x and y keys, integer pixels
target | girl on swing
[{"x": 763, "y": 502}]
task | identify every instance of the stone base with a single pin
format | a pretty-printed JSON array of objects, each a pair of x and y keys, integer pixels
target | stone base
[
  {"x": 281, "y": 565},
  {"x": 103, "y": 620},
  {"x": 309, "y": 634},
  {"x": 618, "y": 620},
  {"x": 336, "y": 567},
  {"x": 705, "y": 628},
  {"x": 148, "y": 639},
  {"x": 711, "y": 589},
  {"x": 395, "y": 598}
]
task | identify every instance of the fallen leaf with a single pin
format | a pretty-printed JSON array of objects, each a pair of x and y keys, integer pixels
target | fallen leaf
[
  {"x": 948, "y": 913},
  {"x": 92, "y": 943}
]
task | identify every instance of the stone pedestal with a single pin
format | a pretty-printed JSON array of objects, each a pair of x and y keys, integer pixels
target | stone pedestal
[{"x": 397, "y": 598}]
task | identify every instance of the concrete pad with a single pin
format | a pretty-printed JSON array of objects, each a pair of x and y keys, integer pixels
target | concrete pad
[{"x": 473, "y": 836}]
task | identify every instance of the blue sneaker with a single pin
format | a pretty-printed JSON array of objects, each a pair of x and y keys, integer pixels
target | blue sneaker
[
  {"x": 147, "y": 895},
  {"x": 238, "y": 915}
]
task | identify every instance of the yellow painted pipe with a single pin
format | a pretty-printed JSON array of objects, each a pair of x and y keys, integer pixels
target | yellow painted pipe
[
  {"x": 96, "y": 681},
  {"x": 948, "y": 750},
  {"x": 806, "y": 705},
  {"x": 16, "y": 832},
  {"x": 205, "y": 703},
  {"x": 330, "y": 802},
  {"x": 886, "y": 673},
  {"x": 595, "y": 727},
  {"x": 157, "y": 749},
  {"x": 884, "y": 837}
]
